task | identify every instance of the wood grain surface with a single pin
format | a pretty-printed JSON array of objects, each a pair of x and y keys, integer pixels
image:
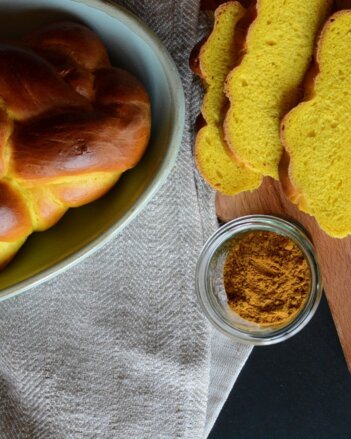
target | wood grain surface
[{"x": 334, "y": 254}]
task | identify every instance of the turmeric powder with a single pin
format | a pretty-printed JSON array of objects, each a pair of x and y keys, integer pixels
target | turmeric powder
[{"x": 266, "y": 277}]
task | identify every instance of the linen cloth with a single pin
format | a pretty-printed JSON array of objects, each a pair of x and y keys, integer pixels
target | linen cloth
[{"x": 117, "y": 347}]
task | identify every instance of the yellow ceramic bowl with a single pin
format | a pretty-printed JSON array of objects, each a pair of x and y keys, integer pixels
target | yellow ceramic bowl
[{"x": 135, "y": 47}]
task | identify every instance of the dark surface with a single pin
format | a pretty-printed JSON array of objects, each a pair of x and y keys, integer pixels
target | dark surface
[{"x": 298, "y": 389}]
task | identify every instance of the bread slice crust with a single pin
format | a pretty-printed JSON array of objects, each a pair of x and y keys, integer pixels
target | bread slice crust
[
  {"x": 217, "y": 57},
  {"x": 316, "y": 134},
  {"x": 266, "y": 84}
]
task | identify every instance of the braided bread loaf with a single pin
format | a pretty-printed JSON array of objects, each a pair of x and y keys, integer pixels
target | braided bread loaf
[{"x": 70, "y": 125}]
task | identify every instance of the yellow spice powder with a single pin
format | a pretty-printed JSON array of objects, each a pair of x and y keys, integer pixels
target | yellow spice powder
[{"x": 266, "y": 277}]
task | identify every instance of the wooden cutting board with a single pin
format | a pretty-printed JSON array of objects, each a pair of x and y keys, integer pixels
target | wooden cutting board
[{"x": 334, "y": 254}]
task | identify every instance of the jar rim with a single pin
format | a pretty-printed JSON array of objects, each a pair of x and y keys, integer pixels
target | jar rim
[{"x": 245, "y": 224}]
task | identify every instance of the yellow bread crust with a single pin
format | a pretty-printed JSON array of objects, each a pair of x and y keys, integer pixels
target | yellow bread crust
[
  {"x": 8, "y": 251},
  {"x": 266, "y": 84},
  {"x": 335, "y": 188},
  {"x": 217, "y": 56}
]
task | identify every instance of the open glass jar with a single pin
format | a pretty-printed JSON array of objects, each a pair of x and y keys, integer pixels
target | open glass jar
[{"x": 213, "y": 297}]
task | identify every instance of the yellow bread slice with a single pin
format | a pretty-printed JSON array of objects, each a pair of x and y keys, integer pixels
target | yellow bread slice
[
  {"x": 279, "y": 48},
  {"x": 317, "y": 134},
  {"x": 217, "y": 57}
]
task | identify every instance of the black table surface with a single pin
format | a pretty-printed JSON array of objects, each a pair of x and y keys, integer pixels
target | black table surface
[{"x": 298, "y": 389}]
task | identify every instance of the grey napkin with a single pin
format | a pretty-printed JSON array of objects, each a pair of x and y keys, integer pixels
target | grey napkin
[{"x": 117, "y": 346}]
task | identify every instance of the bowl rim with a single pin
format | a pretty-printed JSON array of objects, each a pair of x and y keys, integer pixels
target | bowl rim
[{"x": 138, "y": 27}]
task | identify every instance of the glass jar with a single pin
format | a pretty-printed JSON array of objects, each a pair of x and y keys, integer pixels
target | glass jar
[{"x": 210, "y": 285}]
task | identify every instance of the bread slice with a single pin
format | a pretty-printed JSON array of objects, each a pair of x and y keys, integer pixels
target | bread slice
[
  {"x": 279, "y": 48},
  {"x": 317, "y": 135},
  {"x": 217, "y": 57}
]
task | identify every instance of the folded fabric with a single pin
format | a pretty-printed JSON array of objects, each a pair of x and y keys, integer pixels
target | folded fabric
[{"x": 117, "y": 346}]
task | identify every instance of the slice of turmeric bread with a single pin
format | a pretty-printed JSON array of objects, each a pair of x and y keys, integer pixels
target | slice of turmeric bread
[
  {"x": 217, "y": 57},
  {"x": 317, "y": 134},
  {"x": 266, "y": 84}
]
